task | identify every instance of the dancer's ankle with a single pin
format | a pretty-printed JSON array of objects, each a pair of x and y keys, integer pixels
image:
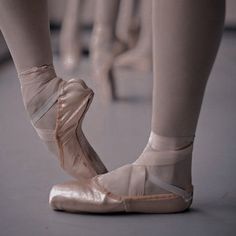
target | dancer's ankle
[{"x": 164, "y": 143}]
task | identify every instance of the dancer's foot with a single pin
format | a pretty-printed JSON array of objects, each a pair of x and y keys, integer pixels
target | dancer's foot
[
  {"x": 56, "y": 108},
  {"x": 157, "y": 182}
]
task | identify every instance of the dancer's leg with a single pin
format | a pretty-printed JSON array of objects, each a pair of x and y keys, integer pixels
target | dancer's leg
[
  {"x": 25, "y": 27},
  {"x": 186, "y": 40}
]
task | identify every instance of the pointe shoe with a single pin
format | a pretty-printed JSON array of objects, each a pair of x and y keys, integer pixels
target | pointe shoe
[
  {"x": 131, "y": 188},
  {"x": 67, "y": 141}
]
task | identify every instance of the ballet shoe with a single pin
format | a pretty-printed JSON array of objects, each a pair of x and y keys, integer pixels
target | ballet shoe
[
  {"x": 149, "y": 185},
  {"x": 70, "y": 100},
  {"x": 76, "y": 155}
]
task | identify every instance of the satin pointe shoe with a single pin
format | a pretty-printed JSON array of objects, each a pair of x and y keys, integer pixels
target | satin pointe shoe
[
  {"x": 70, "y": 101},
  {"x": 75, "y": 154},
  {"x": 160, "y": 185}
]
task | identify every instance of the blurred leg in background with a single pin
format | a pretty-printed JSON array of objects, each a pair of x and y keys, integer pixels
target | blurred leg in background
[
  {"x": 102, "y": 46},
  {"x": 70, "y": 35},
  {"x": 140, "y": 57},
  {"x": 128, "y": 22}
]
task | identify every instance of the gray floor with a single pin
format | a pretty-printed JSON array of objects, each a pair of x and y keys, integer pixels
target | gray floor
[{"x": 118, "y": 132}]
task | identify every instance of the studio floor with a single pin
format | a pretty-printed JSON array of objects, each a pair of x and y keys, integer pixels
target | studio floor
[{"x": 119, "y": 132}]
